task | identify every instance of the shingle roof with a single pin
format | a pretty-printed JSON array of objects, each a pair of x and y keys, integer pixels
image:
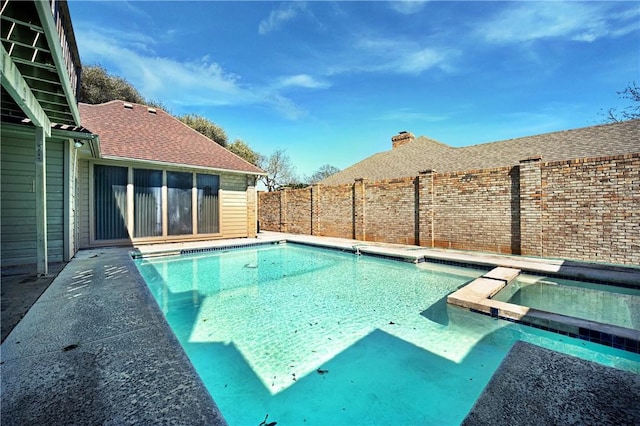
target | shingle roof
[
  {"x": 138, "y": 134},
  {"x": 423, "y": 153}
]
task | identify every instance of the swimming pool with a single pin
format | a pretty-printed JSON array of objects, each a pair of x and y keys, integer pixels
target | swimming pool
[{"x": 312, "y": 336}]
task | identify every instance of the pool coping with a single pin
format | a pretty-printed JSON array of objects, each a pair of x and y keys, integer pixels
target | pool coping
[{"x": 622, "y": 275}]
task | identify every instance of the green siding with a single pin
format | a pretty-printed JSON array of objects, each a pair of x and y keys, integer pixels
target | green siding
[
  {"x": 18, "y": 202},
  {"x": 55, "y": 200}
]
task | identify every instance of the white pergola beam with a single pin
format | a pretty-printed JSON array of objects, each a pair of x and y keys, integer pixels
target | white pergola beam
[
  {"x": 41, "y": 202},
  {"x": 19, "y": 90}
]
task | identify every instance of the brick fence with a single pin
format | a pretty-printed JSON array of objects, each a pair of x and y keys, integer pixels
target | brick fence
[{"x": 585, "y": 209}]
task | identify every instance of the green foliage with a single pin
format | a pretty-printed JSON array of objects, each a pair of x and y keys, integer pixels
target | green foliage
[
  {"x": 293, "y": 186},
  {"x": 242, "y": 150},
  {"x": 206, "y": 127},
  {"x": 97, "y": 87}
]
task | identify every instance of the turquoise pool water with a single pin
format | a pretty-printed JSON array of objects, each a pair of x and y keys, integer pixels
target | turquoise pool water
[
  {"x": 596, "y": 302},
  {"x": 312, "y": 336}
]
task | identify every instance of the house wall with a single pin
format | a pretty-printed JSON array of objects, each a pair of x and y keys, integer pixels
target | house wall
[
  {"x": 18, "y": 199},
  {"x": 233, "y": 205},
  {"x": 586, "y": 209},
  {"x": 55, "y": 200},
  {"x": 237, "y": 201},
  {"x": 82, "y": 203}
]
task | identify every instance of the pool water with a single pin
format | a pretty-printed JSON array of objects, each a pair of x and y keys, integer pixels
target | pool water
[
  {"x": 311, "y": 336},
  {"x": 605, "y": 304}
]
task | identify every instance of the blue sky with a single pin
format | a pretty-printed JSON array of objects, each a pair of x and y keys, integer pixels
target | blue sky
[{"x": 331, "y": 82}]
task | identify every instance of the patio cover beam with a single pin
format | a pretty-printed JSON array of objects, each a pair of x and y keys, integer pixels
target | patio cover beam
[
  {"x": 14, "y": 83},
  {"x": 42, "y": 258}
]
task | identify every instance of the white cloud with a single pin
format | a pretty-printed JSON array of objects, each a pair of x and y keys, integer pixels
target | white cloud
[
  {"x": 420, "y": 60},
  {"x": 278, "y": 17},
  {"x": 395, "y": 56},
  {"x": 199, "y": 82},
  {"x": 407, "y": 7},
  {"x": 529, "y": 21},
  {"x": 303, "y": 80},
  {"x": 407, "y": 115}
]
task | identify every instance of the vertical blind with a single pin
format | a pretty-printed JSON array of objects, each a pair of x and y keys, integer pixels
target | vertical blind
[
  {"x": 110, "y": 202},
  {"x": 179, "y": 186},
  {"x": 208, "y": 222},
  {"x": 147, "y": 203}
]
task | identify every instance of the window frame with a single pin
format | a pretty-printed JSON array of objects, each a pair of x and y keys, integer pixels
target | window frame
[{"x": 130, "y": 219}]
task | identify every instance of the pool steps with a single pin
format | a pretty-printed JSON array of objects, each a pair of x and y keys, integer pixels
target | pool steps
[{"x": 477, "y": 296}]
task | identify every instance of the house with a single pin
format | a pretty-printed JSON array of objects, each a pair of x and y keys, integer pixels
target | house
[
  {"x": 410, "y": 155},
  {"x": 137, "y": 176},
  {"x": 40, "y": 121},
  {"x": 158, "y": 180}
]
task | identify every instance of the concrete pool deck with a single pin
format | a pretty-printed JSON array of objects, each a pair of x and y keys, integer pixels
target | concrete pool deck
[{"x": 95, "y": 348}]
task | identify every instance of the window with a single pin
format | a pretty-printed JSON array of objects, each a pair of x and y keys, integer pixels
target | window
[
  {"x": 110, "y": 202},
  {"x": 147, "y": 203},
  {"x": 179, "y": 187},
  {"x": 207, "y": 204}
]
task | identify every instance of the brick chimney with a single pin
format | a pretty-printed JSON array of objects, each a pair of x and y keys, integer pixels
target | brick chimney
[{"x": 402, "y": 138}]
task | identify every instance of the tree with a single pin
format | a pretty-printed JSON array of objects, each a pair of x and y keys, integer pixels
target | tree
[
  {"x": 323, "y": 172},
  {"x": 97, "y": 86},
  {"x": 631, "y": 112},
  {"x": 242, "y": 150},
  {"x": 280, "y": 171},
  {"x": 206, "y": 127}
]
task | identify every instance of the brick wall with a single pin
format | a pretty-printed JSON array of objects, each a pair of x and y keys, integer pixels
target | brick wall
[
  {"x": 298, "y": 219},
  {"x": 587, "y": 209},
  {"x": 473, "y": 210},
  {"x": 591, "y": 209},
  {"x": 269, "y": 211},
  {"x": 391, "y": 211},
  {"x": 335, "y": 211}
]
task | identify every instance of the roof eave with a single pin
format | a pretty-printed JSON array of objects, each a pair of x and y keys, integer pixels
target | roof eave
[{"x": 180, "y": 165}]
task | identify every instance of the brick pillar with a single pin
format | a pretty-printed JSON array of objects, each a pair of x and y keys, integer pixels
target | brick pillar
[
  {"x": 531, "y": 206},
  {"x": 359, "y": 209},
  {"x": 283, "y": 210},
  {"x": 425, "y": 208},
  {"x": 315, "y": 209}
]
